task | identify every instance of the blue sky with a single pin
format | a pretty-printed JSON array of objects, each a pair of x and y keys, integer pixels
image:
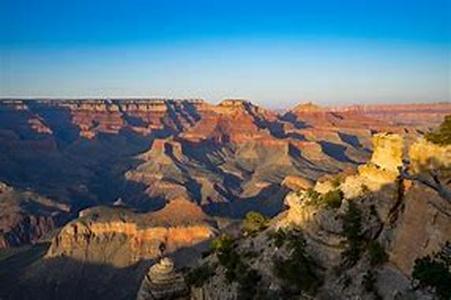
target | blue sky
[{"x": 275, "y": 53}]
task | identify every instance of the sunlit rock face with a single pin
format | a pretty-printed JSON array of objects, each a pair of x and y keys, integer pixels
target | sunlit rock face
[
  {"x": 296, "y": 183},
  {"x": 382, "y": 169},
  {"x": 387, "y": 151},
  {"x": 119, "y": 237},
  {"x": 232, "y": 121}
]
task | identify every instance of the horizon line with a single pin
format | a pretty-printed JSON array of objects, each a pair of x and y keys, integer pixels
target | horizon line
[{"x": 199, "y": 99}]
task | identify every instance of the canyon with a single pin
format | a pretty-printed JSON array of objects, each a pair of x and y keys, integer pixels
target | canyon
[{"x": 98, "y": 186}]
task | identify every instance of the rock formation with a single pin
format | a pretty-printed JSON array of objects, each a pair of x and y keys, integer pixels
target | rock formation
[
  {"x": 121, "y": 238},
  {"x": 297, "y": 183},
  {"x": 162, "y": 282},
  {"x": 26, "y": 217}
]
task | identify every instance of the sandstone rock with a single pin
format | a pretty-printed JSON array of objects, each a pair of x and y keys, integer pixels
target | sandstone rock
[
  {"x": 162, "y": 282},
  {"x": 383, "y": 168},
  {"x": 120, "y": 237},
  {"x": 307, "y": 107},
  {"x": 323, "y": 187},
  {"x": 387, "y": 151},
  {"x": 353, "y": 186},
  {"x": 296, "y": 183},
  {"x": 424, "y": 227},
  {"x": 322, "y": 228}
]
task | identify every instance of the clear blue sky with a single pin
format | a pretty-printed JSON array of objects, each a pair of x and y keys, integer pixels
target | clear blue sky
[{"x": 275, "y": 53}]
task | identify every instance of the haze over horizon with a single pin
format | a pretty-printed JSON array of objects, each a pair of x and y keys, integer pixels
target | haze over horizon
[{"x": 274, "y": 54}]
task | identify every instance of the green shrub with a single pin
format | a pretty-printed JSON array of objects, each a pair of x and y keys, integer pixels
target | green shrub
[
  {"x": 314, "y": 196},
  {"x": 222, "y": 244},
  {"x": 254, "y": 222},
  {"x": 198, "y": 276},
  {"x": 278, "y": 237},
  {"x": 435, "y": 272},
  {"x": 297, "y": 271},
  {"x": 333, "y": 198},
  {"x": 337, "y": 180},
  {"x": 376, "y": 253},
  {"x": 442, "y": 135},
  {"x": 235, "y": 267},
  {"x": 352, "y": 222},
  {"x": 231, "y": 261},
  {"x": 248, "y": 283},
  {"x": 369, "y": 284},
  {"x": 352, "y": 230},
  {"x": 368, "y": 281}
]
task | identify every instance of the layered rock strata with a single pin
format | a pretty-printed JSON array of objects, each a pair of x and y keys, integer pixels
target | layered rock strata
[
  {"x": 121, "y": 238},
  {"x": 162, "y": 282}
]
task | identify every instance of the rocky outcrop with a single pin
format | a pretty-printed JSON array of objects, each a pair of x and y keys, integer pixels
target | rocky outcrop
[
  {"x": 423, "y": 228},
  {"x": 381, "y": 171},
  {"x": 121, "y": 238},
  {"x": 162, "y": 282},
  {"x": 26, "y": 217},
  {"x": 387, "y": 151},
  {"x": 296, "y": 183},
  {"x": 424, "y": 225}
]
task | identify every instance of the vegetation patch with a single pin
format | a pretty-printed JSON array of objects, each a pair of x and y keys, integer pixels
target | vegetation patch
[
  {"x": 352, "y": 230},
  {"x": 376, "y": 253},
  {"x": 278, "y": 237},
  {"x": 369, "y": 284},
  {"x": 331, "y": 199},
  {"x": 313, "y": 196},
  {"x": 236, "y": 269},
  {"x": 434, "y": 272},
  {"x": 442, "y": 135},
  {"x": 198, "y": 276},
  {"x": 222, "y": 244},
  {"x": 298, "y": 271},
  {"x": 337, "y": 181},
  {"x": 254, "y": 222}
]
